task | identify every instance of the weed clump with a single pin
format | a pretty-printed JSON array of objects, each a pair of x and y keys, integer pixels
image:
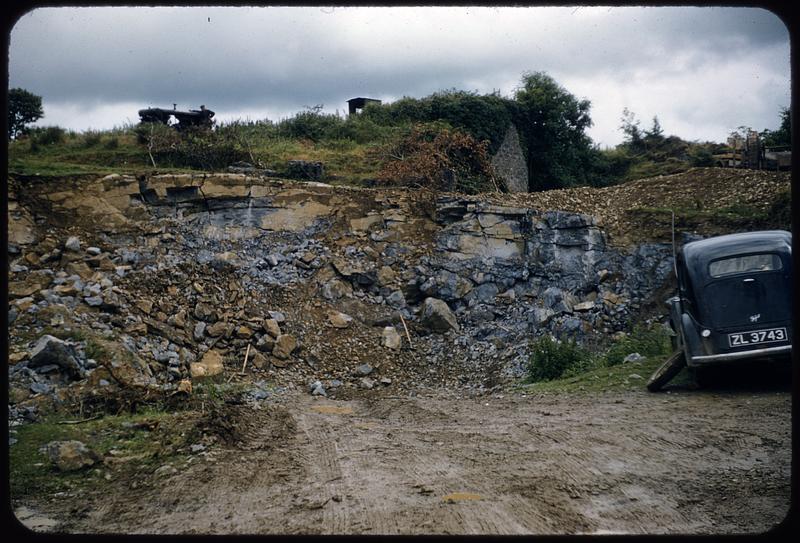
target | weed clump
[
  {"x": 647, "y": 341},
  {"x": 551, "y": 358}
]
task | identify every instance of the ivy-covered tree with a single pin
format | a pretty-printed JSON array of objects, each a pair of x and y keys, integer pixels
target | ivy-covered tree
[
  {"x": 24, "y": 108},
  {"x": 552, "y": 124},
  {"x": 484, "y": 117}
]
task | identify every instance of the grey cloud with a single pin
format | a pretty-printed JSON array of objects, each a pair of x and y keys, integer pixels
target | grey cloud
[{"x": 283, "y": 59}]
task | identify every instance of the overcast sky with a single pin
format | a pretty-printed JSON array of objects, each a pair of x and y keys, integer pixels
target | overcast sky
[{"x": 703, "y": 71}]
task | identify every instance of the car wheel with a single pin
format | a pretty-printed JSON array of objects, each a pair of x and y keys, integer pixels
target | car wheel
[{"x": 669, "y": 369}]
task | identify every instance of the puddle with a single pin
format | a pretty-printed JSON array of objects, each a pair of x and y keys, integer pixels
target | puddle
[
  {"x": 333, "y": 409},
  {"x": 365, "y": 425},
  {"x": 460, "y": 496},
  {"x": 35, "y": 521}
]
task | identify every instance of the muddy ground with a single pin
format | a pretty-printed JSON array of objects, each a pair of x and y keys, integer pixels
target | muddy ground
[{"x": 713, "y": 461}]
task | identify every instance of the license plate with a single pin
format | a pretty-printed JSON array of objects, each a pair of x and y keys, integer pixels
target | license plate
[{"x": 757, "y": 336}]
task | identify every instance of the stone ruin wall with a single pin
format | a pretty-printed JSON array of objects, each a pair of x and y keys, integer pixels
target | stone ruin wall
[{"x": 509, "y": 162}]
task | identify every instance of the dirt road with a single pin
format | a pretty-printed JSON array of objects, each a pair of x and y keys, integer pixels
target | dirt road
[{"x": 633, "y": 462}]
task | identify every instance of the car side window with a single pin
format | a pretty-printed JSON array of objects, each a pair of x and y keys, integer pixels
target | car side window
[{"x": 744, "y": 264}]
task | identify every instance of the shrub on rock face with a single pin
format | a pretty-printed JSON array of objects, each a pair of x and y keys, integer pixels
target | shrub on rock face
[{"x": 551, "y": 358}]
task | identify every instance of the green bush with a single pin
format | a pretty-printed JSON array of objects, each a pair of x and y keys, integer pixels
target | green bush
[
  {"x": 160, "y": 135},
  {"x": 311, "y": 125},
  {"x": 47, "y": 135},
  {"x": 91, "y": 138},
  {"x": 551, "y": 359},
  {"x": 198, "y": 148},
  {"x": 111, "y": 143},
  {"x": 647, "y": 341},
  {"x": 701, "y": 157}
]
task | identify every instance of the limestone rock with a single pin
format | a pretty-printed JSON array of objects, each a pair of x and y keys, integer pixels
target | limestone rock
[
  {"x": 208, "y": 366},
  {"x": 391, "y": 338},
  {"x": 70, "y": 455},
  {"x": 437, "y": 317},
  {"x": 284, "y": 345},
  {"x": 339, "y": 319},
  {"x": 272, "y": 327},
  {"x": 367, "y": 223},
  {"x": 243, "y": 332},
  {"x": 335, "y": 289},
  {"x": 146, "y": 306},
  {"x": 178, "y": 319},
  {"x": 396, "y": 299},
  {"x": 29, "y": 286},
  {"x": 367, "y": 383},
  {"x": 265, "y": 343},
  {"x": 184, "y": 386},
  {"x": 259, "y": 361},
  {"x": 72, "y": 244},
  {"x": 386, "y": 275},
  {"x": 317, "y": 389},
  {"x": 364, "y": 370},
  {"x": 217, "y": 329},
  {"x": 51, "y": 350},
  {"x": 204, "y": 312},
  {"x": 199, "y": 331}
]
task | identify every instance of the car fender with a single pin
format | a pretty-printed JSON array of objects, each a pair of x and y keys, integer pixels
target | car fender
[{"x": 691, "y": 338}]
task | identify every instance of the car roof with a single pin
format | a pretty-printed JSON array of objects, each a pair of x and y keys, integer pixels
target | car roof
[{"x": 698, "y": 253}]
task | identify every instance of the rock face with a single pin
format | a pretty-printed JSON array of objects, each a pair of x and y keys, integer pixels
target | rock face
[
  {"x": 437, "y": 317},
  {"x": 70, "y": 455},
  {"x": 194, "y": 266}
]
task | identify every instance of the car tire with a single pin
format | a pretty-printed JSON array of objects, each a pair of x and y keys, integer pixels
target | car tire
[{"x": 669, "y": 369}]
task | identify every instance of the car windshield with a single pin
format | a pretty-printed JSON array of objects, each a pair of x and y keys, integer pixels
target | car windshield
[{"x": 744, "y": 264}]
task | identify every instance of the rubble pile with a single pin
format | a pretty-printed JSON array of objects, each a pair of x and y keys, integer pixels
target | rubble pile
[{"x": 164, "y": 281}]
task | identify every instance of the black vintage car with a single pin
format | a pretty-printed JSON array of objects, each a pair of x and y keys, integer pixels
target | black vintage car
[{"x": 734, "y": 303}]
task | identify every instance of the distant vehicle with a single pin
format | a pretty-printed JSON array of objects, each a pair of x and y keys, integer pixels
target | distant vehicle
[
  {"x": 734, "y": 303},
  {"x": 194, "y": 117}
]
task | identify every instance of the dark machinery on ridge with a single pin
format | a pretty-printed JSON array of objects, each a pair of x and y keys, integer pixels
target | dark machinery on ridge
[{"x": 185, "y": 119}]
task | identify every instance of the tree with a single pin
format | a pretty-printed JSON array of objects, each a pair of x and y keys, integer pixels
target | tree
[
  {"x": 633, "y": 134},
  {"x": 781, "y": 136},
  {"x": 24, "y": 108},
  {"x": 552, "y": 124},
  {"x": 655, "y": 134}
]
